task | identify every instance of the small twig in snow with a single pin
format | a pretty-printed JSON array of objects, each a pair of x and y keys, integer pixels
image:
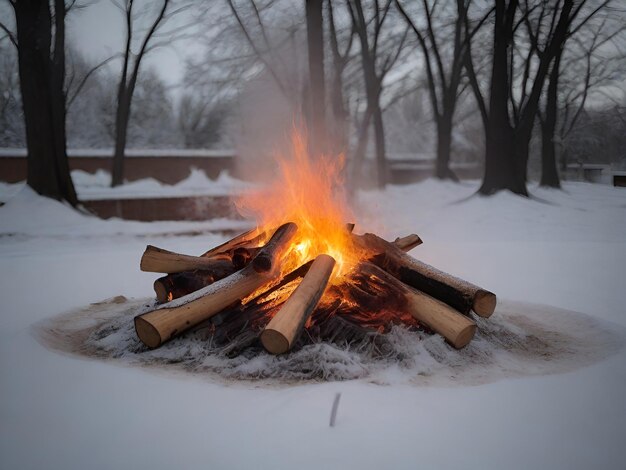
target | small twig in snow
[{"x": 333, "y": 411}]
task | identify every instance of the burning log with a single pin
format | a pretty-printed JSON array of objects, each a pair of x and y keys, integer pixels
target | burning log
[
  {"x": 158, "y": 326},
  {"x": 236, "y": 328},
  {"x": 241, "y": 256},
  {"x": 408, "y": 243},
  {"x": 459, "y": 294},
  {"x": 283, "y": 330},
  {"x": 457, "y": 329},
  {"x": 266, "y": 259}
]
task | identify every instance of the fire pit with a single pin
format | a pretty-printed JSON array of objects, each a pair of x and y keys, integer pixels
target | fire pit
[
  {"x": 303, "y": 275},
  {"x": 326, "y": 303}
]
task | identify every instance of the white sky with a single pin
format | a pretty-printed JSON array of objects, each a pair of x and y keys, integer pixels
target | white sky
[{"x": 98, "y": 32}]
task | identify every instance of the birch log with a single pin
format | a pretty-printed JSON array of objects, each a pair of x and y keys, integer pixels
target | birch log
[
  {"x": 458, "y": 293},
  {"x": 160, "y": 325},
  {"x": 457, "y": 329}
]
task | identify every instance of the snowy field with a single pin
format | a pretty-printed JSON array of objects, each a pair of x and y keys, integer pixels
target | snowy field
[{"x": 565, "y": 249}]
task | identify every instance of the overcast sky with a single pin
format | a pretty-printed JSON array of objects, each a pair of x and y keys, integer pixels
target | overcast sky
[{"x": 98, "y": 31}]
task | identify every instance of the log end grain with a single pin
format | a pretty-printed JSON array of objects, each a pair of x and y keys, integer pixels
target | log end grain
[
  {"x": 160, "y": 291},
  {"x": 147, "y": 333},
  {"x": 464, "y": 336},
  {"x": 484, "y": 303},
  {"x": 274, "y": 341}
]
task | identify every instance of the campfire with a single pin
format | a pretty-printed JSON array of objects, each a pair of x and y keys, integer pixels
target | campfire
[{"x": 303, "y": 275}]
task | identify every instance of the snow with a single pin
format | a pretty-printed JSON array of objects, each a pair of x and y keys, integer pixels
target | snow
[
  {"x": 565, "y": 249},
  {"x": 96, "y": 186},
  {"x": 132, "y": 153},
  {"x": 29, "y": 216},
  {"x": 521, "y": 340}
]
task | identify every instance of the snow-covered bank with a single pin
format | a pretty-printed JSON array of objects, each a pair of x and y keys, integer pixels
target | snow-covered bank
[
  {"x": 96, "y": 186},
  {"x": 29, "y": 215},
  {"x": 567, "y": 250}
]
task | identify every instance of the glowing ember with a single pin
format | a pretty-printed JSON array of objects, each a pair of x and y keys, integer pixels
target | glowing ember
[{"x": 310, "y": 192}]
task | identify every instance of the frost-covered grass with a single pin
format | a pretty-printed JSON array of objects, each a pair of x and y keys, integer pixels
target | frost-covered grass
[
  {"x": 520, "y": 340},
  {"x": 566, "y": 249}
]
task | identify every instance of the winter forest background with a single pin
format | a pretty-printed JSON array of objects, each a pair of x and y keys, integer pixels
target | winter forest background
[
  {"x": 516, "y": 90},
  {"x": 423, "y": 79}
]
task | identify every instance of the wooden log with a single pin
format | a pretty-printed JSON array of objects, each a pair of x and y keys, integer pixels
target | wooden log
[
  {"x": 458, "y": 293},
  {"x": 267, "y": 259},
  {"x": 174, "y": 286},
  {"x": 408, "y": 243},
  {"x": 284, "y": 329},
  {"x": 242, "y": 256},
  {"x": 251, "y": 238},
  {"x": 237, "y": 328},
  {"x": 457, "y": 329},
  {"x": 158, "y": 260},
  {"x": 160, "y": 325}
]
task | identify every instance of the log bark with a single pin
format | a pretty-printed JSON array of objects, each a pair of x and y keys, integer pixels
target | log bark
[
  {"x": 158, "y": 260},
  {"x": 459, "y": 294},
  {"x": 284, "y": 329},
  {"x": 160, "y": 325},
  {"x": 457, "y": 329},
  {"x": 408, "y": 243}
]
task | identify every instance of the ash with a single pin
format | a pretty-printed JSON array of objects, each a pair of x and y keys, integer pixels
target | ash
[{"x": 520, "y": 339}]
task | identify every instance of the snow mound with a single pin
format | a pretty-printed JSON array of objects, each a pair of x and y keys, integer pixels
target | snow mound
[
  {"x": 519, "y": 340},
  {"x": 31, "y": 215},
  {"x": 28, "y": 212}
]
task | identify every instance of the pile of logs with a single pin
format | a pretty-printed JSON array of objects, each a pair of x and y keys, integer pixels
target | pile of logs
[{"x": 237, "y": 295}]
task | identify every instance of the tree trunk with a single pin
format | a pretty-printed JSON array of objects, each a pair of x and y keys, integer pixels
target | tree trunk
[
  {"x": 122, "y": 117},
  {"x": 358, "y": 156},
  {"x": 340, "y": 115},
  {"x": 501, "y": 167},
  {"x": 338, "y": 131},
  {"x": 444, "y": 143},
  {"x": 43, "y": 98},
  {"x": 379, "y": 139},
  {"x": 549, "y": 173},
  {"x": 317, "y": 97}
]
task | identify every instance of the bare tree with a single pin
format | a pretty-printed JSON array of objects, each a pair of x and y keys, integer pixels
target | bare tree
[
  {"x": 317, "y": 79},
  {"x": 377, "y": 59},
  {"x": 569, "y": 87},
  {"x": 264, "y": 49},
  {"x": 444, "y": 82},
  {"x": 340, "y": 48},
  {"x": 514, "y": 97},
  {"x": 11, "y": 114},
  {"x": 131, "y": 65},
  {"x": 40, "y": 42}
]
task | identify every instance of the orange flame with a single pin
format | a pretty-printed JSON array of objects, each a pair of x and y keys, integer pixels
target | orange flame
[{"x": 309, "y": 192}]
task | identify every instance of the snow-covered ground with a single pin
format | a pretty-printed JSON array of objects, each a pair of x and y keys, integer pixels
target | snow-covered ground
[
  {"x": 566, "y": 249},
  {"x": 96, "y": 186}
]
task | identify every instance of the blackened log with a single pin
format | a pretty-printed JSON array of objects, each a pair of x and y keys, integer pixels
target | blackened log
[{"x": 459, "y": 294}]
